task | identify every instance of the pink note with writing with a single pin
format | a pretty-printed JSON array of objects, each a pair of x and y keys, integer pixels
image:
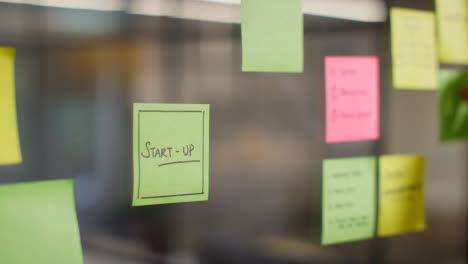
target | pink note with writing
[{"x": 352, "y": 99}]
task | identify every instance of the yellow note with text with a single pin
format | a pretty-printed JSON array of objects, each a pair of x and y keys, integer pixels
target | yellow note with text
[
  {"x": 401, "y": 202},
  {"x": 10, "y": 152},
  {"x": 414, "y": 52},
  {"x": 452, "y": 18}
]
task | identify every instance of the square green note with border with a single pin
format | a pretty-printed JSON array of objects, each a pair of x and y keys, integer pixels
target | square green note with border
[
  {"x": 348, "y": 199},
  {"x": 170, "y": 153}
]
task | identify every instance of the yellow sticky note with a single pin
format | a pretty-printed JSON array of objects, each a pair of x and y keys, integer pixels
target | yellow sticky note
[
  {"x": 401, "y": 202},
  {"x": 414, "y": 52},
  {"x": 452, "y": 17},
  {"x": 10, "y": 152}
]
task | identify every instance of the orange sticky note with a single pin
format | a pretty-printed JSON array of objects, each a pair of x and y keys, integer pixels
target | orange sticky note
[
  {"x": 10, "y": 152},
  {"x": 352, "y": 99}
]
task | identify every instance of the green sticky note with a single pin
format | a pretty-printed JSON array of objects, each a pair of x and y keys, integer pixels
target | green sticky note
[
  {"x": 453, "y": 105},
  {"x": 272, "y": 35},
  {"x": 38, "y": 223},
  {"x": 348, "y": 199},
  {"x": 170, "y": 153}
]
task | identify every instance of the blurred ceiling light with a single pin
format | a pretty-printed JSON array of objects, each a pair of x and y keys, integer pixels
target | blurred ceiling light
[
  {"x": 103, "y": 5},
  {"x": 232, "y": 2},
  {"x": 228, "y": 11},
  {"x": 188, "y": 9},
  {"x": 359, "y": 10}
]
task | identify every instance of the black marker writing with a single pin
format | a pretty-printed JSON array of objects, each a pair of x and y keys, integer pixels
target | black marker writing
[
  {"x": 167, "y": 153},
  {"x": 159, "y": 153}
]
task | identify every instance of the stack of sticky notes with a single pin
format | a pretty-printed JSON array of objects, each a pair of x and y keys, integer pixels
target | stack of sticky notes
[
  {"x": 361, "y": 197},
  {"x": 417, "y": 47},
  {"x": 38, "y": 220},
  {"x": 355, "y": 207}
]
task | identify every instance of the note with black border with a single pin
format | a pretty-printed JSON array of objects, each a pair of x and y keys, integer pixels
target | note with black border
[{"x": 170, "y": 153}]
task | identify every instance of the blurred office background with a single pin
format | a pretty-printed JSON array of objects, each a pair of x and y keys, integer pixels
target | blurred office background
[{"x": 81, "y": 64}]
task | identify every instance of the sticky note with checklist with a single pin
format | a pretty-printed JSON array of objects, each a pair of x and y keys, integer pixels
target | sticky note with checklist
[
  {"x": 348, "y": 199},
  {"x": 352, "y": 99}
]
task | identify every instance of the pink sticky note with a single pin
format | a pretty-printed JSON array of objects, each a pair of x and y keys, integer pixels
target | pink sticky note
[{"x": 352, "y": 99}]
